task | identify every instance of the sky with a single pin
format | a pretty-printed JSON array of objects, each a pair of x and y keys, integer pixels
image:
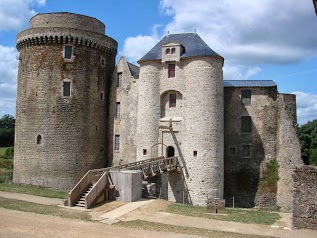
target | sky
[{"x": 259, "y": 39}]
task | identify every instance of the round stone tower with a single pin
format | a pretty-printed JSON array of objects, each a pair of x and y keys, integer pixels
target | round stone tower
[{"x": 65, "y": 65}]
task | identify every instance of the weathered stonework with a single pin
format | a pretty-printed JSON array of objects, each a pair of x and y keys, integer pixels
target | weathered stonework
[
  {"x": 175, "y": 104},
  {"x": 305, "y": 194},
  {"x": 59, "y": 138}
]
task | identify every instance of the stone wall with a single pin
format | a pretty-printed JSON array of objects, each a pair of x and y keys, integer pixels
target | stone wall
[
  {"x": 243, "y": 169},
  {"x": 59, "y": 138},
  {"x": 305, "y": 198}
]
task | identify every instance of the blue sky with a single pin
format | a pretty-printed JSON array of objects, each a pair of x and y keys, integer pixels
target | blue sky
[{"x": 267, "y": 39}]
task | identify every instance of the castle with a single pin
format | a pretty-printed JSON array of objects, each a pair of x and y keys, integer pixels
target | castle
[{"x": 77, "y": 110}]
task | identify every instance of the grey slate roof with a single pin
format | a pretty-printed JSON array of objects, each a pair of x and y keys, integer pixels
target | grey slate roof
[
  {"x": 192, "y": 43},
  {"x": 134, "y": 70},
  {"x": 249, "y": 83}
]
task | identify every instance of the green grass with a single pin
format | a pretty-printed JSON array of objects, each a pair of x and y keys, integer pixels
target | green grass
[
  {"x": 153, "y": 226},
  {"x": 33, "y": 190},
  {"x": 52, "y": 210},
  {"x": 237, "y": 215},
  {"x": 3, "y": 150}
]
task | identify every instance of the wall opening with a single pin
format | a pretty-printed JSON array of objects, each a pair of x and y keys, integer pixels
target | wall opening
[
  {"x": 170, "y": 151},
  {"x": 39, "y": 140}
]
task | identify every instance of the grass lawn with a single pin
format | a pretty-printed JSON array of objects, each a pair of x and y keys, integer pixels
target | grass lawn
[
  {"x": 249, "y": 216},
  {"x": 3, "y": 150},
  {"x": 33, "y": 190},
  {"x": 52, "y": 210},
  {"x": 153, "y": 226}
]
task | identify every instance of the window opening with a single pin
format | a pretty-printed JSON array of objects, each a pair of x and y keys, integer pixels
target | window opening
[
  {"x": 195, "y": 153},
  {"x": 66, "y": 89},
  {"x": 117, "y": 142},
  {"x": 246, "y": 124},
  {"x": 246, "y": 97},
  {"x": 171, "y": 70},
  {"x": 144, "y": 151},
  {"x": 101, "y": 95},
  {"x": 168, "y": 51},
  {"x": 246, "y": 150},
  {"x": 119, "y": 80},
  {"x": 173, "y": 51},
  {"x": 39, "y": 139},
  {"x": 117, "y": 109},
  {"x": 232, "y": 151},
  {"x": 68, "y": 51},
  {"x": 172, "y": 101},
  {"x": 102, "y": 62}
]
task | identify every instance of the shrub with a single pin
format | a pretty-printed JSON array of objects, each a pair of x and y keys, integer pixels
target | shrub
[{"x": 8, "y": 154}]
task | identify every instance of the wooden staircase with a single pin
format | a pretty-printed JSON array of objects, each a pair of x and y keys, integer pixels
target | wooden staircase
[
  {"x": 97, "y": 182},
  {"x": 81, "y": 201}
]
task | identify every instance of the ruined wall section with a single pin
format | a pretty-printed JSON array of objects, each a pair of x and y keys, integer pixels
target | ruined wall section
[
  {"x": 288, "y": 150},
  {"x": 123, "y": 120},
  {"x": 59, "y": 138},
  {"x": 305, "y": 203},
  {"x": 247, "y": 153}
]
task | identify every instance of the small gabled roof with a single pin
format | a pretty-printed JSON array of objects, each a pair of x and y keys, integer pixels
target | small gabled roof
[
  {"x": 192, "y": 43},
  {"x": 134, "y": 70},
  {"x": 249, "y": 83}
]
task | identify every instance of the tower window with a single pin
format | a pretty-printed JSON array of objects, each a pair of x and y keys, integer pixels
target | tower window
[
  {"x": 117, "y": 109},
  {"x": 195, "y": 153},
  {"x": 68, "y": 51},
  {"x": 119, "y": 80},
  {"x": 66, "y": 89},
  {"x": 171, "y": 70},
  {"x": 39, "y": 140},
  {"x": 168, "y": 51},
  {"x": 246, "y": 97},
  {"x": 245, "y": 150},
  {"x": 116, "y": 142},
  {"x": 102, "y": 62},
  {"x": 173, "y": 51},
  {"x": 144, "y": 151},
  {"x": 246, "y": 124},
  {"x": 172, "y": 101}
]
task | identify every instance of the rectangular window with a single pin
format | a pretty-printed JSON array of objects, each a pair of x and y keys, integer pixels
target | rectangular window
[
  {"x": 144, "y": 151},
  {"x": 117, "y": 109},
  {"x": 68, "y": 51},
  {"x": 66, "y": 89},
  {"x": 119, "y": 80},
  {"x": 246, "y": 124},
  {"x": 172, "y": 101},
  {"x": 195, "y": 153},
  {"x": 232, "y": 151},
  {"x": 246, "y": 97},
  {"x": 245, "y": 150},
  {"x": 116, "y": 142},
  {"x": 171, "y": 70}
]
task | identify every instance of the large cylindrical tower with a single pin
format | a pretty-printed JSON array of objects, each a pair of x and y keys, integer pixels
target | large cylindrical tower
[
  {"x": 148, "y": 109},
  {"x": 203, "y": 127},
  {"x": 65, "y": 65}
]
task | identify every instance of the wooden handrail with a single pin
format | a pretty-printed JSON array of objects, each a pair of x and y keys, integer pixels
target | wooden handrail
[
  {"x": 79, "y": 188},
  {"x": 96, "y": 190}
]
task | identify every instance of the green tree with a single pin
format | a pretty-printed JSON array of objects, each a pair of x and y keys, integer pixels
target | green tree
[
  {"x": 7, "y": 124},
  {"x": 307, "y": 134}
]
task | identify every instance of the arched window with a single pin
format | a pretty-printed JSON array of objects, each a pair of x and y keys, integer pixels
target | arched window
[
  {"x": 170, "y": 151},
  {"x": 173, "y": 50},
  {"x": 39, "y": 139},
  {"x": 168, "y": 51}
]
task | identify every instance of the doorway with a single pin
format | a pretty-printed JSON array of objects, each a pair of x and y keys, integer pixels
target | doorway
[{"x": 170, "y": 151}]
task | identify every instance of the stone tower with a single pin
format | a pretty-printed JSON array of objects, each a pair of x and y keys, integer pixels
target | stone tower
[
  {"x": 65, "y": 65},
  {"x": 180, "y": 113}
]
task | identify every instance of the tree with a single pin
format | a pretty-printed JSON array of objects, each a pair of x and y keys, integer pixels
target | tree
[
  {"x": 7, "y": 125},
  {"x": 307, "y": 134}
]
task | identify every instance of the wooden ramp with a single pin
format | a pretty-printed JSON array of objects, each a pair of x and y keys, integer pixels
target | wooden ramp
[{"x": 97, "y": 182}]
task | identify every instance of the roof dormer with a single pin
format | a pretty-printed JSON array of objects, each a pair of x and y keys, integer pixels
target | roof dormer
[{"x": 171, "y": 52}]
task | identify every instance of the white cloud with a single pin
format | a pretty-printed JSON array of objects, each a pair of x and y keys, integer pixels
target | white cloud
[
  {"x": 306, "y": 107},
  {"x": 15, "y": 14},
  {"x": 239, "y": 72},
  {"x": 8, "y": 77},
  {"x": 135, "y": 47}
]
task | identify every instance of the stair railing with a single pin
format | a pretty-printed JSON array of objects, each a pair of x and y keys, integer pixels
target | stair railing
[
  {"x": 79, "y": 188},
  {"x": 96, "y": 190}
]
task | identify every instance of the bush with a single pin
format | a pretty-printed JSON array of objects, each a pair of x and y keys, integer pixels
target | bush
[{"x": 8, "y": 154}]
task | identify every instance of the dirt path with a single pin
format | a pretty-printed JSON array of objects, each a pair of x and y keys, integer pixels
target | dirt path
[
  {"x": 16, "y": 224},
  {"x": 32, "y": 198}
]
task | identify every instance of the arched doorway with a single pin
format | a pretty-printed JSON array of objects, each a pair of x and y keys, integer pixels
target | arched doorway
[{"x": 170, "y": 151}]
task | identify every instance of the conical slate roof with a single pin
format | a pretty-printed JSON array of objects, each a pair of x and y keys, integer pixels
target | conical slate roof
[{"x": 192, "y": 43}]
